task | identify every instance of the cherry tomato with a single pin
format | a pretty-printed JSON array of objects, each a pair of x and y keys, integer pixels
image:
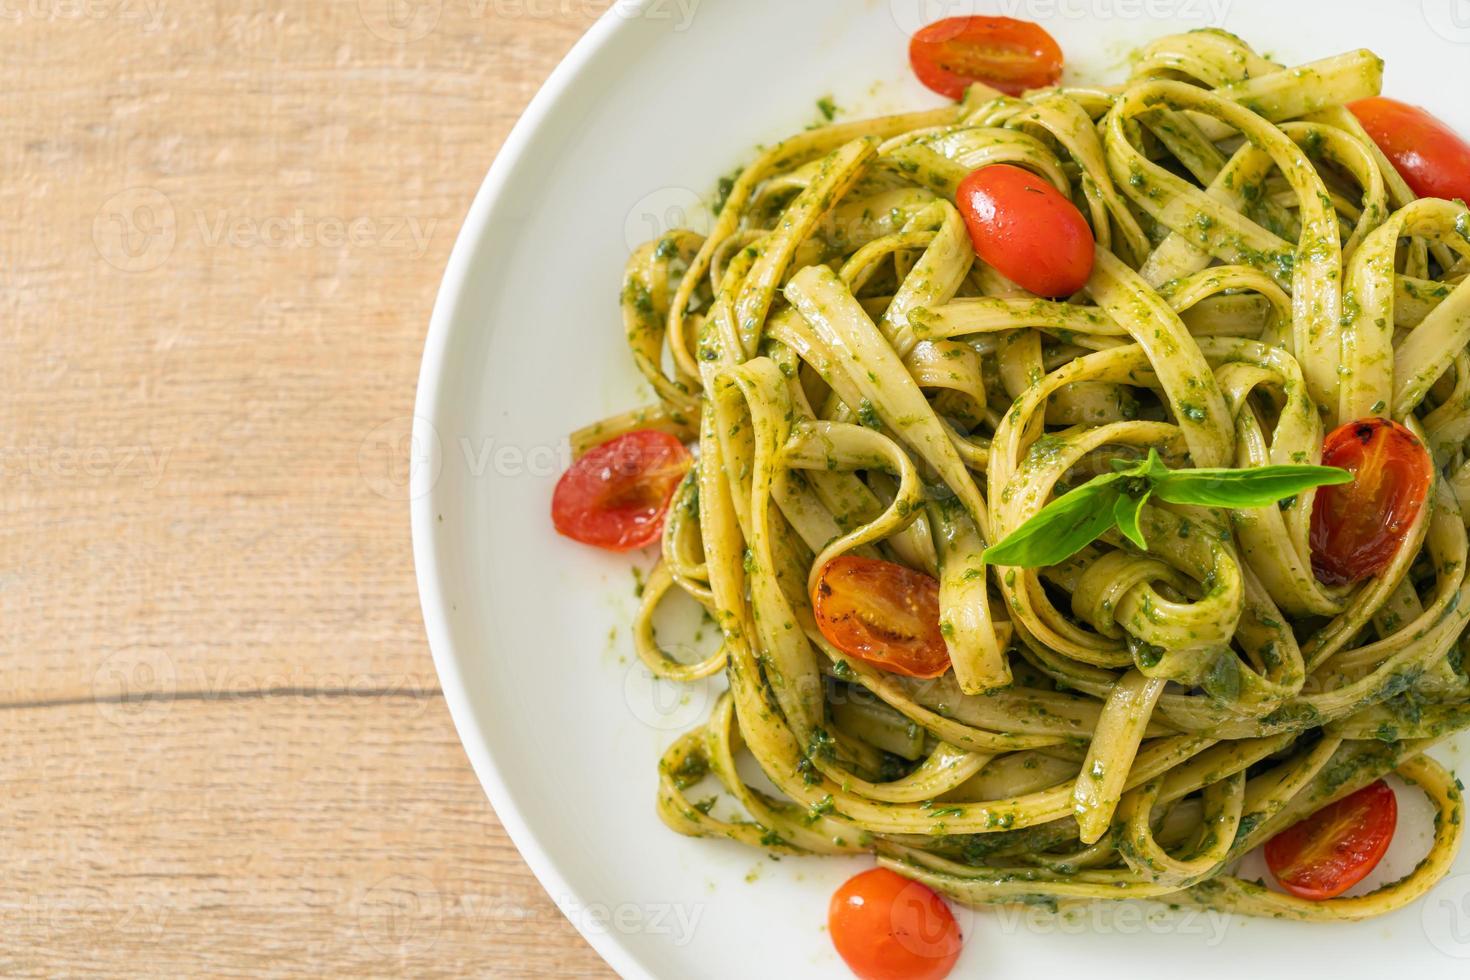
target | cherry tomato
[
  {"x": 1012, "y": 55},
  {"x": 1431, "y": 157},
  {"x": 882, "y": 613},
  {"x": 1027, "y": 230},
  {"x": 615, "y": 497},
  {"x": 886, "y": 927},
  {"x": 1357, "y": 527},
  {"x": 1336, "y": 847}
]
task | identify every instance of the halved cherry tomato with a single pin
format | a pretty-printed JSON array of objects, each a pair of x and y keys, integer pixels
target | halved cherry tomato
[
  {"x": 1336, "y": 847},
  {"x": 1431, "y": 157},
  {"x": 1012, "y": 55},
  {"x": 884, "y": 614},
  {"x": 886, "y": 927},
  {"x": 1357, "y": 527},
  {"x": 1027, "y": 230},
  {"x": 615, "y": 497}
]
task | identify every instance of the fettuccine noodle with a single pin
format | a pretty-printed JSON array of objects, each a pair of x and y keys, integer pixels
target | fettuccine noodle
[{"x": 1129, "y": 723}]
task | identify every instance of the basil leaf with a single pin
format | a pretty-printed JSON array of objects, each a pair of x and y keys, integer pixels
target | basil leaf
[
  {"x": 1126, "y": 512},
  {"x": 1062, "y": 528},
  {"x": 1243, "y": 489},
  {"x": 1151, "y": 468},
  {"x": 1074, "y": 520}
]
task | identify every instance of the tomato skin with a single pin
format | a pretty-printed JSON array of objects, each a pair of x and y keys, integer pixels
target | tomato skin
[
  {"x": 1357, "y": 527},
  {"x": 883, "y": 614},
  {"x": 1011, "y": 55},
  {"x": 1336, "y": 847},
  {"x": 886, "y": 927},
  {"x": 615, "y": 497},
  {"x": 1027, "y": 230},
  {"x": 1431, "y": 156}
]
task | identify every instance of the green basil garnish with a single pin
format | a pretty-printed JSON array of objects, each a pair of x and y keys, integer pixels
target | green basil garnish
[{"x": 1076, "y": 519}]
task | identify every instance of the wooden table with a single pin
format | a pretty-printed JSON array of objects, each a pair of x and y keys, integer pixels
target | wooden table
[{"x": 222, "y": 229}]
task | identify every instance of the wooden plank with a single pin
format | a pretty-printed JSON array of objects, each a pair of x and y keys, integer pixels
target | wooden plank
[
  {"x": 281, "y": 836},
  {"x": 223, "y": 238},
  {"x": 224, "y": 226}
]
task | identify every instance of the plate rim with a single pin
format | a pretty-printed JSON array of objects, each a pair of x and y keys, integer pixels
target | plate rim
[{"x": 426, "y": 557}]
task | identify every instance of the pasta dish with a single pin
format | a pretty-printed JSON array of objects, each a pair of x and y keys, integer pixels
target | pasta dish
[{"x": 1081, "y": 482}]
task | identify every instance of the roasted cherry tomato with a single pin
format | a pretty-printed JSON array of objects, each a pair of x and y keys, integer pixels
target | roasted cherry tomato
[
  {"x": 1012, "y": 55},
  {"x": 615, "y": 497},
  {"x": 1027, "y": 230},
  {"x": 884, "y": 614},
  {"x": 1336, "y": 847},
  {"x": 1357, "y": 527},
  {"x": 886, "y": 927},
  {"x": 1431, "y": 157}
]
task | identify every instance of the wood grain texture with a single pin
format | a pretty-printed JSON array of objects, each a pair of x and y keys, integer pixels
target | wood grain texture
[{"x": 222, "y": 227}]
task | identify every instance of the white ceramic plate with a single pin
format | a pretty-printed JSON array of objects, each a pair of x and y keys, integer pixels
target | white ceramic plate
[{"x": 562, "y": 726}]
